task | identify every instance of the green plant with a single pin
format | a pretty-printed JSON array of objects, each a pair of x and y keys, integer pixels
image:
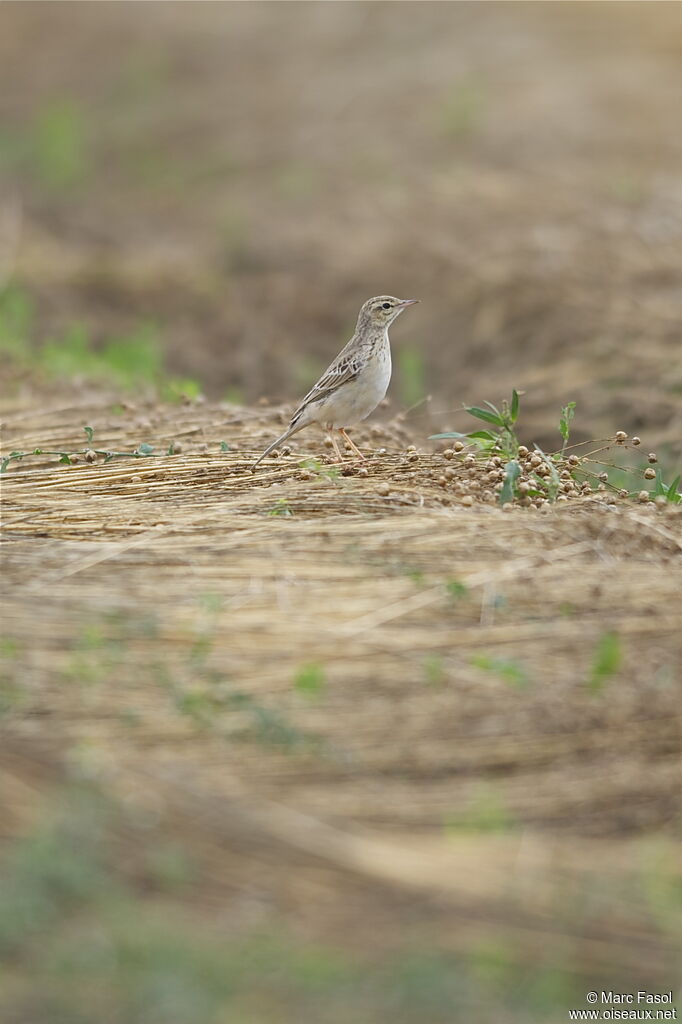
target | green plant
[
  {"x": 510, "y": 671},
  {"x": 456, "y": 589},
  {"x": 310, "y": 680},
  {"x": 53, "y": 148},
  {"x": 319, "y": 469},
  {"x": 434, "y": 670},
  {"x": 512, "y": 472},
  {"x": 503, "y": 438},
  {"x": 280, "y": 508},
  {"x": 669, "y": 491},
  {"x": 534, "y": 476},
  {"x": 606, "y": 661},
  {"x": 67, "y": 458},
  {"x": 567, "y": 414},
  {"x": 486, "y": 813},
  {"x": 130, "y": 361}
]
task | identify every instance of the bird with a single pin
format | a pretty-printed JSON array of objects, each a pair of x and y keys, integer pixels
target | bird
[{"x": 355, "y": 382}]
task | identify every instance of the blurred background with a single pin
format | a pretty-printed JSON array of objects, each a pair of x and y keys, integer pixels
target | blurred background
[
  {"x": 195, "y": 199},
  {"x": 226, "y": 183}
]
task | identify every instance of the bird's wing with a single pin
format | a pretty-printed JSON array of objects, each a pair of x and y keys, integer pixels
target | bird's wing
[{"x": 344, "y": 369}]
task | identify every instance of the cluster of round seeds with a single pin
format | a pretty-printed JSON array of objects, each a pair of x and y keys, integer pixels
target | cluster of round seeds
[{"x": 542, "y": 480}]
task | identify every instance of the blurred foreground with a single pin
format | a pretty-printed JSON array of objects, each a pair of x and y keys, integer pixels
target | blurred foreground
[{"x": 304, "y": 746}]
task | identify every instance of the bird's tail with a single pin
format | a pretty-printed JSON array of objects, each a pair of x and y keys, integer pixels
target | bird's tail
[{"x": 293, "y": 428}]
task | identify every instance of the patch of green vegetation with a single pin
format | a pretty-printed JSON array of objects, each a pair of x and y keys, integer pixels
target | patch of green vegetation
[
  {"x": 511, "y": 672},
  {"x": 142, "y": 451},
  {"x": 462, "y": 110},
  {"x": 512, "y": 472},
  {"x": 606, "y": 661},
  {"x": 89, "y": 931},
  {"x": 434, "y": 670},
  {"x": 132, "y": 361},
  {"x": 53, "y": 148},
  {"x": 502, "y": 438},
  {"x": 456, "y": 589},
  {"x": 280, "y": 508},
  {"x": 320, "y": 469},
  {"x": 297, "y": 180},
  {"x": 487, "y": 813},
  {"x": 310, "y": 680},
  {"x": 567, "y": 414},
  {"x": 412, "y": 384}
]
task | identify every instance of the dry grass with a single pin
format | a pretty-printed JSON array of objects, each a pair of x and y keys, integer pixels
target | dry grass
[
  {"x": 375, "y": 701},
  {"x": 365, "y": 709}
]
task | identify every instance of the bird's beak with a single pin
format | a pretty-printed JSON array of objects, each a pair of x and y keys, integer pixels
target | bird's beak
[{"x": 408, "y": 302}]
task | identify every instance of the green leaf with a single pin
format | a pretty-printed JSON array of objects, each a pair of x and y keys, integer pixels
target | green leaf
[
  {"x": 64, "y": 458},
  {"x": 310, "y": 680},
  {"x": 144, "y": 449},
  {"x": 672, "y": 494},
  {"x": 483, "y": 414},
  {"x": 89, "y": 433},
  {"x": 224, "y": 446},
  {"x": 606, "y": 662},
  {"x": 485, "y": 435},
  {"x": 512, "y": 471},
  {"x": 567, "y": 414},
  {"x": 514, "y": 409}
]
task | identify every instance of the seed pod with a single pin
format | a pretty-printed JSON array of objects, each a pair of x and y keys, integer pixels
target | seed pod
[
  {"x": 621, "y": 436},
  {"x": 652, "y": 457},
  {"x": 649, "y": 474},
  {"x": 636, "y": 440},
  {"x": 604, "y": 477},
  {"x": 643, "y": 496}
]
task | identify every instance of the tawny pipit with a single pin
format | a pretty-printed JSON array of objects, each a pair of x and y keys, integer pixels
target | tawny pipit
[{"x": 354, "y": 384}]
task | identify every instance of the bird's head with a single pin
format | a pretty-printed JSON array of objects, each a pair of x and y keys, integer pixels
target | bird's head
[{"x": 383, "y": 309}]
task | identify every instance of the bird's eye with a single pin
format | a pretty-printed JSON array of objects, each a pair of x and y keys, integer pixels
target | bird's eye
[{"x": 386, "y": 305}]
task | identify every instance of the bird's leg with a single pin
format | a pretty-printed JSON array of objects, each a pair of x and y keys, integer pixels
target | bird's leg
[
  {"x": 351, "y": 444},
  {"x": 328, "y": 433}
]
